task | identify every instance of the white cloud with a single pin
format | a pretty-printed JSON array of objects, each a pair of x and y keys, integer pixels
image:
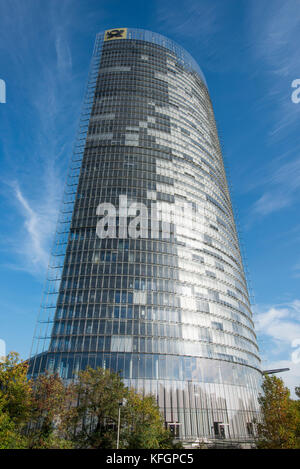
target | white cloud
[
  {"x": 63, "y": 53},
  {"x": 34, "y": 227},
  {"x": 290, "y": 378},
  {"x": 280, "y": 322},
  {"x": 269, "y": 203},
  {"x": 34, "y": 231},
  {"x": 278, "y": 329}
]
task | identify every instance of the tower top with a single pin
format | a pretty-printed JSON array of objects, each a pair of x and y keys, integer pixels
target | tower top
[{"x": 122, "y": 33}]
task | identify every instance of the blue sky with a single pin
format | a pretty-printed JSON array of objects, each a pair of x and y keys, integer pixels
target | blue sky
[{"x": 249, "y": 52}]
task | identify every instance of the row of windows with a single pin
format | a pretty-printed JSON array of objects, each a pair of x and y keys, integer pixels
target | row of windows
[
  {"x": 149, "y": 283},
  {"x": 214, "y": 332},
  {"x": 188, "y": 262},
  {"x": 239, "y": 323},
  {"x": 155, "y": 299},
  {"x": 152, "y": 345},
  {"x": 133, "y": 366},
  {"x": 171, "y": 232},
  {"x": 129, "y": 179},
  {"x": 85, "y": 233},
  {"x": 220, "y": 319},
  {"x": 135, "y": 188},
  {"x": 86, "y": 243},
  {"x": 186, "y": 273},
  {"x": 141, "y": 68},
  {"x": 179, "y": 216},
  {"x": 128, "y": 162}
]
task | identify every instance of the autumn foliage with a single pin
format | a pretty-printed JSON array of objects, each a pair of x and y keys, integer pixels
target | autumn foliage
[
  {"x": 280, "y": 416},
  {"x": 49, "y": 413}
]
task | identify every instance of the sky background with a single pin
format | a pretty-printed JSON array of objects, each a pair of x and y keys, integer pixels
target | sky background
[{"x": 249, "y": 53}]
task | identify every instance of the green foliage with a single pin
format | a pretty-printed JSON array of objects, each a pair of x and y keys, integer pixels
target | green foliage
[
  {"x": 10, "y": 437},
  {"x": 144, "y": 425},
  {"x": 15, "y": 398},
  {"x": 280, "y": 418},
  {"x": 94, "y": 420},
  {"x": 15, "y": 391},
  {"x": 49, "y": 403},
  {"x": 49, "y": 414},
  {"x": 297, "y": 408},
  {"x": 30, "y": 411}
]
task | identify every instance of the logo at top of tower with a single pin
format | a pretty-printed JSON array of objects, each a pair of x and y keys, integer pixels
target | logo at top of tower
[{"x": 115, "y": 34}]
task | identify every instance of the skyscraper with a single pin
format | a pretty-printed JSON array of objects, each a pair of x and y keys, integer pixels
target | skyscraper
[{"x": 146, "y": 275}]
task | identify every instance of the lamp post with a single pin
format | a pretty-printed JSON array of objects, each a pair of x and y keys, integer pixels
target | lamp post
[{"x": 122, "y": 403}]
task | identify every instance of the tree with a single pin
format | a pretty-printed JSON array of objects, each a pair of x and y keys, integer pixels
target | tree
[
  {"x": 93, "y": 420},
  {"x": 279, "y": 416},
  {"x": 144, "y": 425},
  {"x": 49, "y": 413},
  {"x": 15, "y": 398},
  {"x": 49, "y": 404},
  {"x": 30, "y": 411},
  {"x": 297, "y": 407},
  {"x": 15, "y": 391},
  {"x": 10, "y": 437}
]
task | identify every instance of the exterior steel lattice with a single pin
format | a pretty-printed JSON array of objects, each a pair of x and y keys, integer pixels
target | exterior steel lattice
[{"x": 171, "y": 313}]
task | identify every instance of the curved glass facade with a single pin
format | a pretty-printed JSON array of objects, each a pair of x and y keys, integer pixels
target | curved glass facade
[{"x": 168, "y": 306}]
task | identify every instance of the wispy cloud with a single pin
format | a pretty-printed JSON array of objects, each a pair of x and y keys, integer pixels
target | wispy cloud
[
  {"x": 269, "y": 203},
  {"x": 188, "y": 19},
  {"x": 42, "y": 105},
  {"x": 203, "y": 26},
  {"x": 37, "y": 225},
  {"x": 63, "y": 53},
  {"x": 283, "y": 187},
  {"x": 31, "y": 236},
  {"x": 273, "y": 34}
]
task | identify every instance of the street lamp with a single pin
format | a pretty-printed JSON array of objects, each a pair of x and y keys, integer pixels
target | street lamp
[{"x": 122, "y": 403}]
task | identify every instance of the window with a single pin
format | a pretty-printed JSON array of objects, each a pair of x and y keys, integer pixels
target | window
[
  {"x": 217, "y": 325},
  {"x": 250, "y": 428},
  {"x": 121, "y": 344},
  {"x": 174, "y": 429}
]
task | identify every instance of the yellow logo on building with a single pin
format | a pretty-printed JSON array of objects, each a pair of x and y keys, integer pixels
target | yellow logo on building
[{"x": 119, "y": 33}]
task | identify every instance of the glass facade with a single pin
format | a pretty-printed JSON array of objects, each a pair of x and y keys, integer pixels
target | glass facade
[{"x": 169, "y": 308}]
